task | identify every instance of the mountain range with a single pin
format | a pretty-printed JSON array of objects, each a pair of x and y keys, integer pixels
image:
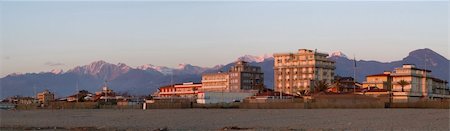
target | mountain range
[{"x": 145, "y": 79}]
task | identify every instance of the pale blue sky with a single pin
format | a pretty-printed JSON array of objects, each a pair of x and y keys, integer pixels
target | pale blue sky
[{"x": 40, "y": 36}]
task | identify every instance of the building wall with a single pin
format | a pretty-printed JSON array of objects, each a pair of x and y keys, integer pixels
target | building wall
[
  {"x": 222, "y": 97},
  {"x": 45, "y": 97},
  {"x": 297, "y": 71},
  {"x": 219, "y": 82},
  {"x": 188, "y": 90},
  {"x": 381, "y": 82}
]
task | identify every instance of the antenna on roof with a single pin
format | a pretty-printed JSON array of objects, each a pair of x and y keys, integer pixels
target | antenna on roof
[
  {"x": 354, "y": 74},
  {"x": 77, "y": 91}
]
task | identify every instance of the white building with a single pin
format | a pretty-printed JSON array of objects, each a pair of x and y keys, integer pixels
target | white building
[
  {"x": 421, "y": 85},
  {"x": 223, "y": 97}
]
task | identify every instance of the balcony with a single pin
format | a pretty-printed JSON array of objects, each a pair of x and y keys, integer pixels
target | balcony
[
  {"x": 220, "y": 80},
  {"x": 178, "y": 92}
]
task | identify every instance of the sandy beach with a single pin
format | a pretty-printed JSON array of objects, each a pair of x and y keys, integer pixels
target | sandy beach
[{"x": 222, "y": 119}]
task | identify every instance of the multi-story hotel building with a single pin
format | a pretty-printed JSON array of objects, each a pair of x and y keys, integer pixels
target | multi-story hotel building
[
  {"x": 420, "y": 84},
  {"x": 295, "y": 72},
  {"x": 240, "y": 77},
  {"x": 185, "y": 90}
]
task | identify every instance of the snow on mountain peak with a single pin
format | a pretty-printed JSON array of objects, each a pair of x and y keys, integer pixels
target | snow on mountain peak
[
  {"x": 183, "y": 66},
  {"x": 251, "y": 58},
  {"x": 162, "y": 69},
  {"x": 15, "y": 74},
  {"x": 146, "y": 67},
  {"x": 337, "y": 54},
  {"x": 123, "y": 66},
  {"x": 57, "y": 71}
]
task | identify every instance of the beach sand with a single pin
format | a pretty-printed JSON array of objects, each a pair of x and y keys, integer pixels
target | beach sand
[{"x": 224, "y": 119}]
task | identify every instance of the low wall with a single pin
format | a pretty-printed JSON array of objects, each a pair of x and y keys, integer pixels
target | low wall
[
  {"x": 27, "y": 106},
  {"x": 137, "y": 106},
  {"x": 345, "y": 101},
  {"x": 75, "y": 105},
  {"x": 423, "y": 104},
  {"x": 71, "y": 105},
  {"x": 344, "y": 105},
  {"x": 217, "y": 105},
  {"x": 175, "y": 105},
  {"x": 273, "y": 105}
]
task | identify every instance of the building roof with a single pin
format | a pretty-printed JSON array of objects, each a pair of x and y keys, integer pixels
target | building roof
[
  {"x": 173, "y": 86},
  {"x": 378, "y": 75},
  {"x": 438, "y": 80},
  {"x": 218, "y": 73},
  {"x": 302, "y": 50},
  {"x": 421, "y": 69}
]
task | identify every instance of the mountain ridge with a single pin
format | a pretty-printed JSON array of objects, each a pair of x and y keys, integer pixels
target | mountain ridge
[{"x": 143, "y": 80}]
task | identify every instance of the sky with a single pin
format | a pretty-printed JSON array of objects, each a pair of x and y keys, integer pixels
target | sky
[{"x": 41, "y": 36}]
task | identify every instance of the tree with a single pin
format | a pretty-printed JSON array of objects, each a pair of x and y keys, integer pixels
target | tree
[
  {"x": 337, "y": 84},
  {"x": 403, "y": 83},
  {"x": 321, "y": 85}
]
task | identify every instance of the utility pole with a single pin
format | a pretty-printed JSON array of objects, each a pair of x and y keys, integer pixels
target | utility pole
[
  {"x": 425, "y": 75},
  {"x": 106, "y": 91},
  {"x": 354, "y": 75},
  {"x": 78, "y": 92}
]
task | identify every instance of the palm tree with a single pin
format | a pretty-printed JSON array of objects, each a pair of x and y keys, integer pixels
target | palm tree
[
  {"x": 321, "y": 85},
  {"x": 194, "y": 89},
  {"x": 403, "y": 83}
]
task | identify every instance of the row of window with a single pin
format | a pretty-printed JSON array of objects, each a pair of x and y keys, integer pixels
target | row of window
[{"x": 177, "y": 90}]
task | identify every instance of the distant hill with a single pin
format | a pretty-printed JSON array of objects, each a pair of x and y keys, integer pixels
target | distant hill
[
  {"x": 145, "y": 79},
  {"x": 438, "y": 64}
]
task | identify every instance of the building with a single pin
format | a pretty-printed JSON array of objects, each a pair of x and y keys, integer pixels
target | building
[
  {"x": 45, "y": 96},
  {"x": 380, "y": 81},
  {"x": 246, "y": 77},
  {"x": 223, "y": 97},
  {"x": 440, "y": 88},
  {"x": 344, "y": 85},
  {"x": 216, "y": 82},
  {"x": 240, "y": 77},
  {"x": 187, "y": 90},
  {"x": 297, "y": 72},
  {"x": 106, "y": 95},
  {"x": 81, "y": 96},
  {"x": 418, "y": 84},
  {"x": 21, "y": 100}
]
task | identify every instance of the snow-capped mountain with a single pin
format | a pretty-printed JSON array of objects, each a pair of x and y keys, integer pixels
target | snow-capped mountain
[
  {"x": 101, "y": 69},
  {"x": 337, "y": 54},
  {"x": 162, "y": 69},
  {"x": 189, "y": 69},
  {"x": 181, "y": 69},
  {"x": 146, "y": 79},
  {"x": 57, "y": 71},
  {"x": 251, "y": 58}
]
